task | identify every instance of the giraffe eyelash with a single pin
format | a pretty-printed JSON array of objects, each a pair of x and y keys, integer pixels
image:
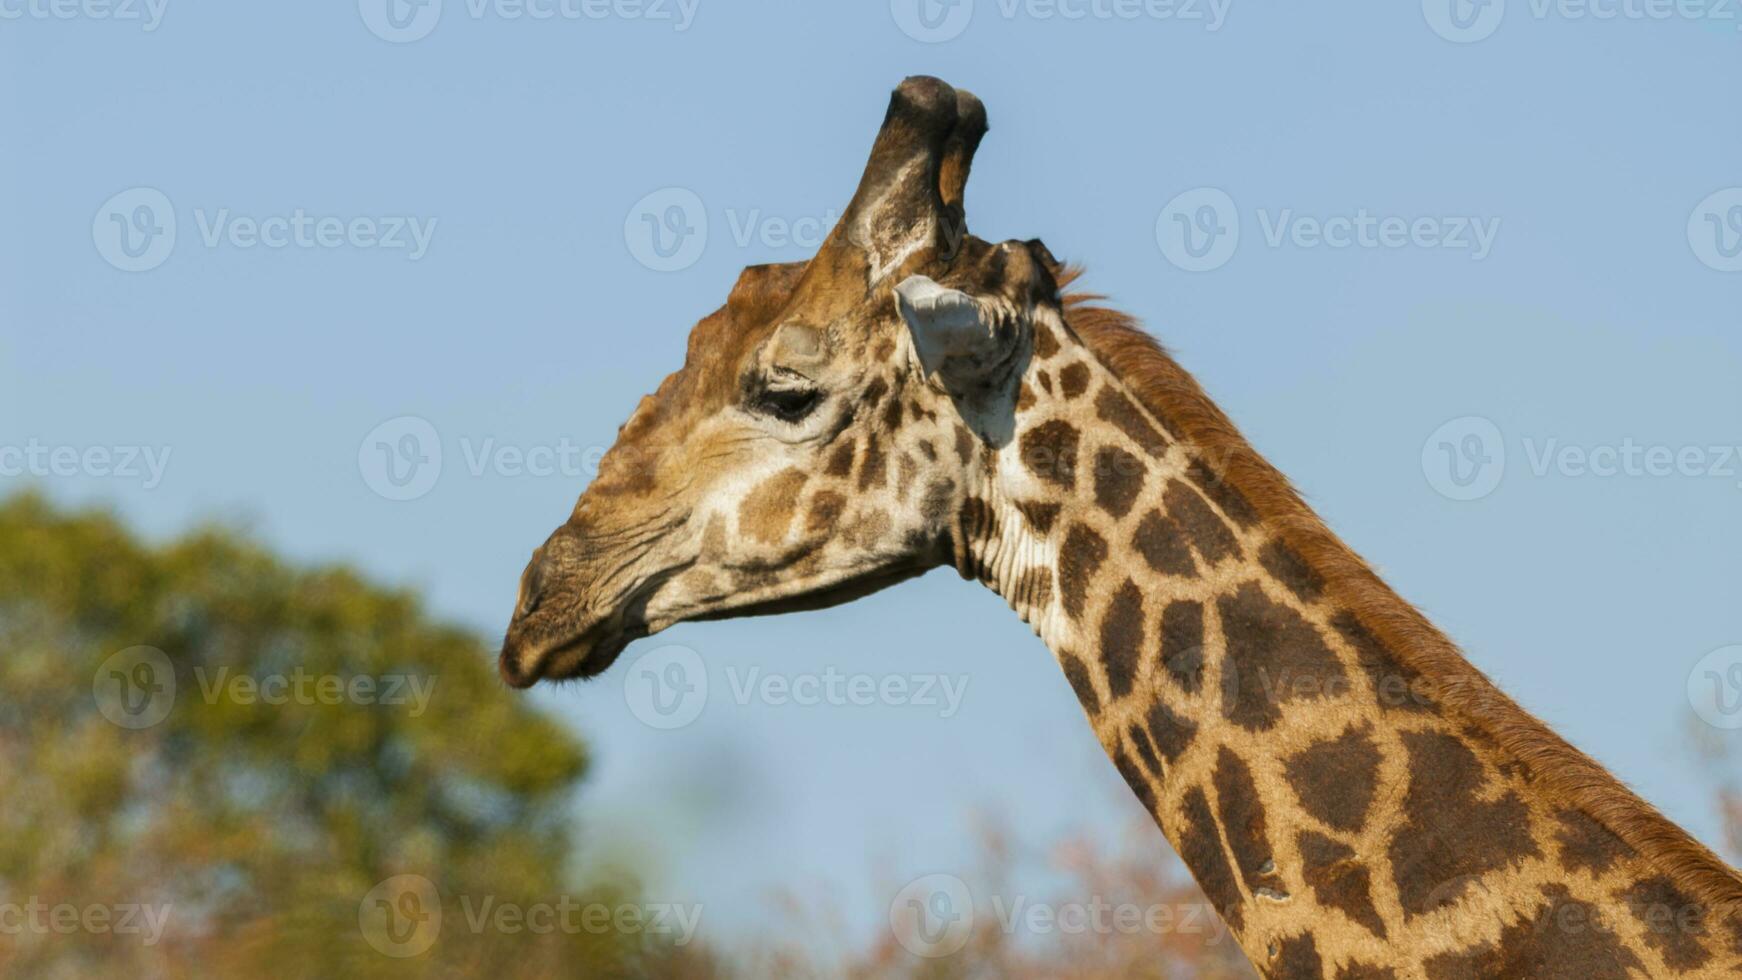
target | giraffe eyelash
[{"x": 791, "y": 405}]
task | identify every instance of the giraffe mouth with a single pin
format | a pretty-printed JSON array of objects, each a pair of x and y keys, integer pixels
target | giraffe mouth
[{"x": 583, "y": 656}]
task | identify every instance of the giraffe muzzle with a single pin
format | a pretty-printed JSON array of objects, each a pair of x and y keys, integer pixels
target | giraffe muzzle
[{"x": 556, "y": 632}]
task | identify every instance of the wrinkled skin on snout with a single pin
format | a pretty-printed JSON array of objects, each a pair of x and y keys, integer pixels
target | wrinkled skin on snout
[{"x": 829, "y": 429}]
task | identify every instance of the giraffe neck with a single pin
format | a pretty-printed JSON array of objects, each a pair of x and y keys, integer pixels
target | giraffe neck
[{"x": 1341, "y": 820}]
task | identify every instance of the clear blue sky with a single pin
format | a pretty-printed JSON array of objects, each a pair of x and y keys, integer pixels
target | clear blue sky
[{"x": 1589, "y": 320}]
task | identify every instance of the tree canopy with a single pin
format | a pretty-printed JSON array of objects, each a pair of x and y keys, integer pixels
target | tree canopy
[{"x": 256, "y": 767}]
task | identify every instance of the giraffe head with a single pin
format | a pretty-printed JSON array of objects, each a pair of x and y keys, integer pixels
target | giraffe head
[{"x": 828, "y": 430}]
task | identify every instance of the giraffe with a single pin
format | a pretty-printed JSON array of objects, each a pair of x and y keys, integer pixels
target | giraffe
[{"x": 1355, "y": 799}]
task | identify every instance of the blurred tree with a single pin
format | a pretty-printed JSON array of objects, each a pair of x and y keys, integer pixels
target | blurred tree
[
  {"x": 263, "y": 754},
  {"x": 1108, "y": 910}
]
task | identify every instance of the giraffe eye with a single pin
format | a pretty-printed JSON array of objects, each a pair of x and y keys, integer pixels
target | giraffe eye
[{"x": 788, "y": 404}]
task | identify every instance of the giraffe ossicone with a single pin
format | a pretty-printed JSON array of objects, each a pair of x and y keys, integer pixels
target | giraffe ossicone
[{"x": 1354, "y": 798}]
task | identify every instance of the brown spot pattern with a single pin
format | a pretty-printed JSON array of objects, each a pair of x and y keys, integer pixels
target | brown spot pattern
[
  {"x": 1049, "y": 450},
  {"x": 1145, "y": 750},
  {"x": 1171, "y": 733},
  {"x": 1046, "y": 344},
  {"x": 1079, "y": 558},
  {"x": 1277, "y": 657},
  {"x": 1450, "y": 835},
  {"x": 1122, "y": 638},
  {"x": 1118, "y": 480},
  {"x": 1242, "y": 816},
  {"x": 1113, "y": 406},
  {"x": 825, "y": 510},
  {"x": 1134, "y": 778},
  {"x": 1223, "y": 493},
  {"x": 766, "y": 514},
  {"x": 1395, "y": 687},
  {"x": 1074, "y": 379},
  {"x": 1282, "y": 562},
  {"x": 875, "y": 391},
  {"x": 1298, "y": 959},
  {"x": 1200, "y": 847},
  {"x": 841, "y": 460},
  {"x": 1337, "y": 881},
  {"x": 1335, "y": 780},
  {"x": 1039, "y": 515},
  {"x": 1565, "y": 940},
  {"x": 964, "y": 443},
  {"x": 893, "y": 415},
  {"x": 1673, "y": 922},
  {"x": 1182, "y": 643},
  {"x": 1208, "y": 534},
  {"x": 1587, "y": 845},
  {"x": 1078, "y": 675},
  {"x": 1159, "y": 540}
]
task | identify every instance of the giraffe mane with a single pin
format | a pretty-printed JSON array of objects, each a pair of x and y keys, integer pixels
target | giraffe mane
[{"x": 1166, "y": 389}]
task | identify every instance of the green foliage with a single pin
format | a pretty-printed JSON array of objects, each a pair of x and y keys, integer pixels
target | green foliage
[{"x": 263, "y": 826}]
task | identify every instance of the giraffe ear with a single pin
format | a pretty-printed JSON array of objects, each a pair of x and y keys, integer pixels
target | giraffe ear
[{"x": 954, "y": 334}]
